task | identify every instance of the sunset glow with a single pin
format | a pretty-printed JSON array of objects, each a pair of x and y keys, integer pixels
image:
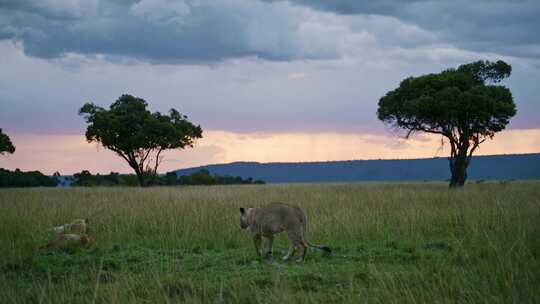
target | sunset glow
[{"x": 71, "y": 153}]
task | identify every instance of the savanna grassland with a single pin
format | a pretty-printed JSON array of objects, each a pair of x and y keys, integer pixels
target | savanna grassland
[{"x": 392, "y": 243}]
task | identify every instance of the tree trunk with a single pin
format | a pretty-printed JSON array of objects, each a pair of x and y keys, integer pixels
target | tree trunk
[
  {"x": 140, "y": 178},
  {"x": 458, "y": 166},
  {"x": 140, "y": 174}
]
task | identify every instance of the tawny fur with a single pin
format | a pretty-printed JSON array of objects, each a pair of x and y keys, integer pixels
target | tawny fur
[
  {"x": 276, "y": 218},
  {"x": 70, "y": 240}
]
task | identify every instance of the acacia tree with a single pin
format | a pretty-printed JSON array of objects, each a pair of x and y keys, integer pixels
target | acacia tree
[
  {"x": 6, "y": 146},
  {"x": 136, "y": 134},
  {"x": 463, "y": 105}
]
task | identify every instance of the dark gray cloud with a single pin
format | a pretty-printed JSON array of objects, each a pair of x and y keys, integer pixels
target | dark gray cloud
[
  {"x": 161, "y": 30},
  {"x": 497, "y": 26},
  {"x": 213, "y": 30},
  {"x": 351, "y": 7}
]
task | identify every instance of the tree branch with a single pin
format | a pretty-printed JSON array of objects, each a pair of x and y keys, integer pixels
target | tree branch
[
  {"x": 119, "y": 152},
  {"x": 146, "y": 155},
  {"x": 158, "y": 161},
  {"x": 476, "y": 143}
]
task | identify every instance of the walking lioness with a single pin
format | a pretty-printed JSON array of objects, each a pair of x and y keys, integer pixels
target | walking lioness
[{"x": 275, "y": 218}]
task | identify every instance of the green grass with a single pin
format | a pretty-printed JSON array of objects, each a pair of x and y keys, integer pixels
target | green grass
[{"x": 392, "y": 243}]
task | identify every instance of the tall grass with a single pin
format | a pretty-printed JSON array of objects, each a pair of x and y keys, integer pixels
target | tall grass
[{"x": 392, "y": 243}]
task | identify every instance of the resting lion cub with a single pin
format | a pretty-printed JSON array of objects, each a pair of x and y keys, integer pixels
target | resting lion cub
[
  {"x": 78, "y": 226},
  {"x": 275, "y": 218},
  {"x": 70, "y": 240}
]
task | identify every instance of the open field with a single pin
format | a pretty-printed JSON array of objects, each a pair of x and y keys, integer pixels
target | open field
[{"x": 392, "y": 243}]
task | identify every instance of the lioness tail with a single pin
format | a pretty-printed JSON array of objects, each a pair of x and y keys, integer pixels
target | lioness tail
[
  {"x": 304, "y": 219},
  {"x": 324, "y": 249}
]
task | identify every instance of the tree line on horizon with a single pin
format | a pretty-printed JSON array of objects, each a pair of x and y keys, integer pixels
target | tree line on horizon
[
  {"x": 202, "y": 177},
  {"x": 465, "y": 106},
  {"x": 20, "y": 179}
]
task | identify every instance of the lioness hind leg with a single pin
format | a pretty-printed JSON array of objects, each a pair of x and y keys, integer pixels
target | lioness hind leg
[
  {"x": 295, "y": 240},
  {"x": 295, "y": 237},
  {"x": 290, "y": 253},
  {"x": 304, "y": 252}
]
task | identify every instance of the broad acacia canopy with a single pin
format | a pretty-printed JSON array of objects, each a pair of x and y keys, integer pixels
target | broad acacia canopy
[
  {"x": 136, "y": 134},
  {"x": 457, "y": 103}
]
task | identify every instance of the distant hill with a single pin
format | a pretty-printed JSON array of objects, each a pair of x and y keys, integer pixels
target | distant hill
[{"x": 494, "y": 167}]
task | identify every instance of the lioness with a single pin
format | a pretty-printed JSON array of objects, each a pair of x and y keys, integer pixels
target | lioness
[{"x": 275, "y": 218}]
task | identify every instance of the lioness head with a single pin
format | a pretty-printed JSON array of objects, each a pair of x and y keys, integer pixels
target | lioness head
[{"x": 244, "y": 218}]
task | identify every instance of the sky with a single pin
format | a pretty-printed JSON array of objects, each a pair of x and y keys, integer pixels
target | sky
[{"x": 268, "y": 81}]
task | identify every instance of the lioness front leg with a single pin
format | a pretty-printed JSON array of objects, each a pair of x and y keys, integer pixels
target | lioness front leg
[
  {"x": 257, "y": 243},
  {"x": 270, "y": 245}
]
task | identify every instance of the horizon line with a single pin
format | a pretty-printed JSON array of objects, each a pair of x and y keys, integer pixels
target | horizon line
[{"x": 301, "y": 162}]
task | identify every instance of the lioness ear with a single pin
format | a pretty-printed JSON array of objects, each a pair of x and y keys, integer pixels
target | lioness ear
[
  {"x": 242, "y": 210},
  {"x": 86, "y": 221}
]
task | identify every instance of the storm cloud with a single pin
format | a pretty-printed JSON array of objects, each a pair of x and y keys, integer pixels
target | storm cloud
[
  {"x": 506, "y": 27},
  {"x": 203, "y": 31},
  {"x": 168, "y": 31}
]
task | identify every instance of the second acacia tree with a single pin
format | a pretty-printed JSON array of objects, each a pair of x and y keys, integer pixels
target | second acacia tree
[
  {"x": 464, "y": 105},
  {"x": 137, "y": 135}
]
